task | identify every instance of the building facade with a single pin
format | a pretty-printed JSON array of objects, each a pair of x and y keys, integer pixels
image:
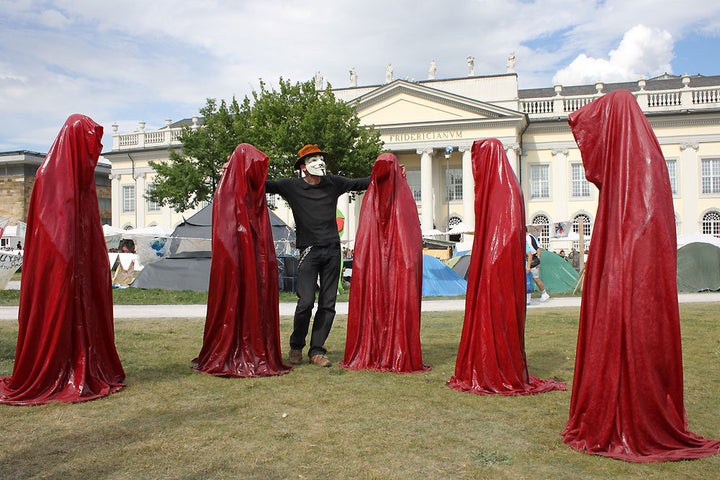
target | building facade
[
  {"x": 17, "y": 178},
  {"x": 430, "y": 126}
]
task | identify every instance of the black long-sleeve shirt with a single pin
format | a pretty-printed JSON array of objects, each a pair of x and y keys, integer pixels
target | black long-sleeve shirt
[{"x": 314, "y": 206}]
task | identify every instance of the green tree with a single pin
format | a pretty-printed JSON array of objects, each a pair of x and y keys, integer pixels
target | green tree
[{"x": 278, "y": 122}]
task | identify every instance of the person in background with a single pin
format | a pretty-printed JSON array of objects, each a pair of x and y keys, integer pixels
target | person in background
[
  {"x": 533, "y": 265},
  {"x": 528, "y": 283}
]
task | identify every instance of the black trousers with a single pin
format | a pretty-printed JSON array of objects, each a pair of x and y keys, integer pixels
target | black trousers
[{"x": 323, "y": 262}]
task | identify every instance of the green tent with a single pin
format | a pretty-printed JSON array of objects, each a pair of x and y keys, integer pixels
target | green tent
[
  {"x": 698, "y": 267},
  {"x": 556, "y": 273}
]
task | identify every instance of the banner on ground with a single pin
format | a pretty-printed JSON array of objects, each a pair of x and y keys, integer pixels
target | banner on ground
[{"x": 9, "y": 264}]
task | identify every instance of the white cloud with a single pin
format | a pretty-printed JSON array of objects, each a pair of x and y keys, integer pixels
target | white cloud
[
  {"x": 138, "y": 60},
  {"x": 54, "y": 19},
  {"x": 643, "y": 52}
]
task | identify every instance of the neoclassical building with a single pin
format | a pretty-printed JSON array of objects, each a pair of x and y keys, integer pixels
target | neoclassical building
[{"x": 430, "y": 126}]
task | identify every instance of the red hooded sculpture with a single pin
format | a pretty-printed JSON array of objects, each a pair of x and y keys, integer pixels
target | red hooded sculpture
[
  {"x": 386, "y": 290},
  {"x": 491, "y": 356},
  {"x": 627, "y": 396},
  {"x": 242, "y": 327},
  {"x": 66, "y": 342}
]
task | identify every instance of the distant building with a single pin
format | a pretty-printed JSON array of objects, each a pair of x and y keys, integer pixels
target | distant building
[
  {"x": 17, "y": 178},
  {"x": 132, "y": 176},
  {"x": 430, "y": 126}
]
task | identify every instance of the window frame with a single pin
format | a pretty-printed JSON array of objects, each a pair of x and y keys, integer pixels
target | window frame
[
  {"x": 581, "y": 183},
  {"x": 710, "y": 226},
  {"x": 712, "y": 178},
  {"x": 128, "y": 204},
  {"x": 673, "y": 176},
  {"x": 454, "y": 183},
  {"x": 536, "y": 184}
]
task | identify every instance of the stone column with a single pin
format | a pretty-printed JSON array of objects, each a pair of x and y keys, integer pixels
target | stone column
[
  {"x": 116, "y": 198},
  {"x": 468, "y": 186},
  {"x": 688, "y": 187},
  {"x": 559, "y": 177},
  {"x": 513, "y": 151},
  {"x": 426, "y": 191},
  {"x": 140, "y": 199}
]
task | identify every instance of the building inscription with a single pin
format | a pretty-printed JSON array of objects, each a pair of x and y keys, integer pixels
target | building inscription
[{"x": 424, "y": 136}]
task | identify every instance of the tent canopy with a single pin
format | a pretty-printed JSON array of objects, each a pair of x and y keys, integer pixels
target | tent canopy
[
  {"x": 556, "y": 273},
  {"x": 187, "y": 263},
  {"x": 698, "y": 267},
  {"x": 440, "y": 280}
]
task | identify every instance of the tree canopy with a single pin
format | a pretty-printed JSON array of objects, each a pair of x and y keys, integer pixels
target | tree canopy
[{"x": 278, "y": 122}]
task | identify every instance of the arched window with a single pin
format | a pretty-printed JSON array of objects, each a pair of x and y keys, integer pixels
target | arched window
[
  {"x": 586, "y": 224},
  {"x": 543, "y": 222},
  {"x": 711, "y": 223},
  {"x": 454, "y": 220}
]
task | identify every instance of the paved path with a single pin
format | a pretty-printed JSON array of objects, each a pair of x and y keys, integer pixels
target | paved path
[{"x": 198, "y": 311}]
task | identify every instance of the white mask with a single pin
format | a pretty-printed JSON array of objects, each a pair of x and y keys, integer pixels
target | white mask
[{"x": 315, "y": 165}]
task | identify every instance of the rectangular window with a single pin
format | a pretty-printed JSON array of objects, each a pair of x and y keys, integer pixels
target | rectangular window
[
  {"x": 672, "y": 172},
  {"x": 152, "y": 206},
  {"x": 539, "y": 181},
  {"x": 710, "y": 175},
  {"x": 413, "y": 179},
  {"x": 128, "y": 198},
  {"x": 580, "y": 186},
  {"x": 453, "y": 181}
]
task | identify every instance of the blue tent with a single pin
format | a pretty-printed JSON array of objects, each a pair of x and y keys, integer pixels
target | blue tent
[{"x": 439, "y": 280}]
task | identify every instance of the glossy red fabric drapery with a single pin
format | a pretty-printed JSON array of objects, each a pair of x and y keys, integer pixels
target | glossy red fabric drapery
[
  {"x": 242, "y": 326},
  {"x": 66, "y": 342},
  {"x": 386, "y": 289},
  {"x": 491, "y": 356},
  {"x": 627, "y": 396}
]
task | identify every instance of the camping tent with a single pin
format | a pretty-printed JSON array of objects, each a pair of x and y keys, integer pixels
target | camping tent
[
  {"x": 187, "y": 263},
  {"x": 556, "y": 273},
  {"x": 698, "y": 267},
  {"x": 460, "y": 264},
  {"x": 440, "y": 280}
]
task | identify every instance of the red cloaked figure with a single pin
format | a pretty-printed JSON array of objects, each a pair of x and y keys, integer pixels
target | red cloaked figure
[
  {"x": 242, "y": 326},
  {"x": 383, "y": 331},
  {"x": 491, "y": 356},
  {"x": 627, "y": 396},
  {"x": 66, "y": 342}
]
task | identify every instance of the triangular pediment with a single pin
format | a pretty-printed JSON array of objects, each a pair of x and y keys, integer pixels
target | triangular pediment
[{"x": 403, "y": 102}]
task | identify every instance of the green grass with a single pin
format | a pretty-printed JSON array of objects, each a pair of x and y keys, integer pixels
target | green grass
[
  {"x": 332, "y": 423},
  {"x": 156, "y": 296}
]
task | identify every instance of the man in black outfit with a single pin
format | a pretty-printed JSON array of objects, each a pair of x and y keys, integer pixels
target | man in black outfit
[{"x": 313, "y": 200}]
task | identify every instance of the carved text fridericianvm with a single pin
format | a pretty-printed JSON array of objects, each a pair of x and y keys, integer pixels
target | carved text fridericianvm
[{"x": 424, "y": 136}]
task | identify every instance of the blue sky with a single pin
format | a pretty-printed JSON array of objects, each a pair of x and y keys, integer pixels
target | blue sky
[{"x": 127, "y": 61}]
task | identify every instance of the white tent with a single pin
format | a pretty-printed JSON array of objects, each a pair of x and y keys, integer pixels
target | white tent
[{"x": 696, "y": 237}]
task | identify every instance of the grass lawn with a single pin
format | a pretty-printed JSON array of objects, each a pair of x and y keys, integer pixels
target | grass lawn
[
  {"x": 154, "y": 296},
  {"x": 318, "y": 423}
]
